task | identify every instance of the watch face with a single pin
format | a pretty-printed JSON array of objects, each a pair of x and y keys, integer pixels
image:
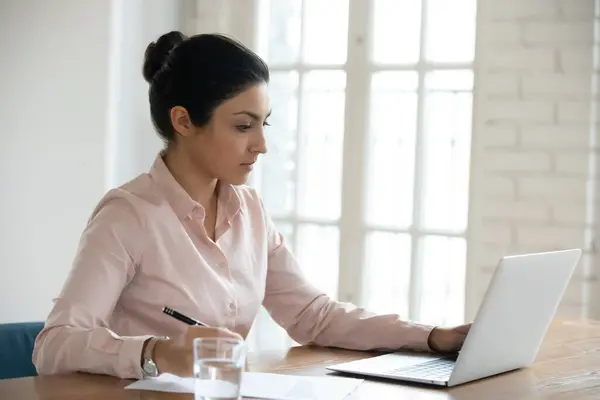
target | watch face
[{"x": 150, "y": 368}]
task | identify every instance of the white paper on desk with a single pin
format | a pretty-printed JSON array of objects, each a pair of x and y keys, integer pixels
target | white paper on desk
[
  {"x": 165, "y": 383},
  {"x": 295, "y": 387},
  {"x": 263, "y": 386}
]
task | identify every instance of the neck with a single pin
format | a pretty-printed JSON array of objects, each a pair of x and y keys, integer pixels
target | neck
[{"x": 200, "y": 187}]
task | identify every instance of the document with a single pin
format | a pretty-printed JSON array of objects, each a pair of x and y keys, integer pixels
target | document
[{"x": 263, "y": 386}]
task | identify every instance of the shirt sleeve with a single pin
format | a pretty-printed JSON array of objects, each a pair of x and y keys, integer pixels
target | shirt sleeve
[
  {"x": 76, "y": 336},
  {"x": 310, "y": 316}
]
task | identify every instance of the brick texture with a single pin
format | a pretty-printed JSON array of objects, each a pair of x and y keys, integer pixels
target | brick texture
[{"x": 532, "y": 125}]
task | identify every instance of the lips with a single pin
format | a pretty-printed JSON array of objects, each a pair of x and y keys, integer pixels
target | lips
[{"x": 248, "y": 166}]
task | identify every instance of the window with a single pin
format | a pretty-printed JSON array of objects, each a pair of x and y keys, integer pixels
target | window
[{"x": 367, "y": 173}]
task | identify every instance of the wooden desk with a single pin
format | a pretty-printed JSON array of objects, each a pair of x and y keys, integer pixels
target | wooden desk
[{"x": 567, "y": 367}]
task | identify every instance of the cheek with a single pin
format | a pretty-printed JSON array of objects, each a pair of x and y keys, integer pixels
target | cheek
[{"x": 227, "y": 148}]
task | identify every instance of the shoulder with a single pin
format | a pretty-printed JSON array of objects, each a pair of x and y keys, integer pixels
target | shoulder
[
  {"x": 128, "y": 203},
  {"x": 125, "y": 214}
]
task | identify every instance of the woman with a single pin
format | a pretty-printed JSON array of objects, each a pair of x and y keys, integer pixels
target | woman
[{"x": 190, "y": 236}]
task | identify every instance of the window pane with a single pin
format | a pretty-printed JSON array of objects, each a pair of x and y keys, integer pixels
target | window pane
[
  {"x": 279, "y": 165},
  {"x": 447, "y": 144},
  {"x": 449, "y": 80},
  {"x": 387, "y": 273},
  {"x": 318, "y": 256},
  {"x": 325, "y": 31},
  {"x": 391, "y": 149},
  {"x": 443, "y": 269},
  {"x": 266, "y": 334},
  {"x": 450, "y": 30},
  {"x": 322, "y": 135},
  {"x": 396, "y": 31},
  {"x": 280, "y": 31}
]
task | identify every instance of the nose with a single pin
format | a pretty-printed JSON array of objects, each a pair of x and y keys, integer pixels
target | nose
[{"x": 260, "y": 145}]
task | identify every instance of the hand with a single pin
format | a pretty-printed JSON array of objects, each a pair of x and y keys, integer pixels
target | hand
[
  {"x": 448, "y": 340},
  {"x": 176, "y": 356}
]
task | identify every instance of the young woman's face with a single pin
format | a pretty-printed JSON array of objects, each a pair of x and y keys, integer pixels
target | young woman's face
[{"x": 228, "y": 146}]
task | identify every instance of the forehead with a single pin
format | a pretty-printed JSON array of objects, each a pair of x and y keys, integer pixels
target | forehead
[{"x": 254, "y": 99}]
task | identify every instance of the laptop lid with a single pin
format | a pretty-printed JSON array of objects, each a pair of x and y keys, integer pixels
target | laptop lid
[{"x": 519, "y": 305}]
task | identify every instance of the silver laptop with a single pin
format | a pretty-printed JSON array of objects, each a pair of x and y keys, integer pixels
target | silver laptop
[{"x": 506, "y": 334}]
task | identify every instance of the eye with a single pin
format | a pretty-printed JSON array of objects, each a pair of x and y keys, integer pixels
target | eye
[
  {"x": 244, "y": 128},
  {"x": 266, "y": 123}
]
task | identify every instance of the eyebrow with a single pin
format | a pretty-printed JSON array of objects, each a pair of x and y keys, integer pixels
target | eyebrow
[{"x": 252, "y": 115}]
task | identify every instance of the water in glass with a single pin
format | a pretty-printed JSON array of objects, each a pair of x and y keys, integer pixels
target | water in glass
[
  {"x": 217, "y": 379},
  {"x": 218, "y": 368}
]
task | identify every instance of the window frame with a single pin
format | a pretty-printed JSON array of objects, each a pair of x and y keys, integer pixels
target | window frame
[{"x": 353, "y": 228}]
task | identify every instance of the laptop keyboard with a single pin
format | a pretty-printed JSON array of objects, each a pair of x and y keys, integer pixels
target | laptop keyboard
[{"x": 439, "y": 369}]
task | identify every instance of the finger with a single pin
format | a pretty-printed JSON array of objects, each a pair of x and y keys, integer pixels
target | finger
[
  {"x": 457, "y": 344},
  {"x": 462, "y": 328},
  {"x": 196, "y": 332},
  {"x": 224, "y": 332},
  {"x": 202, "y": 331}
]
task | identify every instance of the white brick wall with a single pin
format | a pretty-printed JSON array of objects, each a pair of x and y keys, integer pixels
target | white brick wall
[
  {"x": 558, "y": 137},
  {"x": 557, "y": 86},
  {"x": 534, "y": 64}
]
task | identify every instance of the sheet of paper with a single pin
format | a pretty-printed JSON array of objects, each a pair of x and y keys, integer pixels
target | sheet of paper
[
  {"x": 295, "y": 387},
  {"x": 165, "y": 383},
  {"x": 262, "y": 386}
]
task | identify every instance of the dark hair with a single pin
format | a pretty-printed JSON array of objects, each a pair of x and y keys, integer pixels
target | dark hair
[{"x": 198, "y": 73}]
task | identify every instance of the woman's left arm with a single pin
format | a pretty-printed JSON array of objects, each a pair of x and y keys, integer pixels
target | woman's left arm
[{"x": 310, "y": 316}]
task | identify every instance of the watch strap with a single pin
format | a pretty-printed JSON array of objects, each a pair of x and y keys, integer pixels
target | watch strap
[{"x": 149, "y": 348}]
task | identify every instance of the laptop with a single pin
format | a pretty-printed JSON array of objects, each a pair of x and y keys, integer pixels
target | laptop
[{"x": 518, "y": 307}]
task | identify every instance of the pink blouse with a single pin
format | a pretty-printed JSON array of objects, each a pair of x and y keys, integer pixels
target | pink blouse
[{"x": 145, "y": 247}]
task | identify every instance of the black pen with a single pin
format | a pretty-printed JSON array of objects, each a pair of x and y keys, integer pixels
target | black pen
[{"x": 183, "y": 318}]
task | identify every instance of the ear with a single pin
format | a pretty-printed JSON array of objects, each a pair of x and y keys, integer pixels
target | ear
[{"x": 182, "y": 123}]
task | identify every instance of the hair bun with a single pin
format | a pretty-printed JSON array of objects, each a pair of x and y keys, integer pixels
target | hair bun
[{"x": 157, "y": 52}]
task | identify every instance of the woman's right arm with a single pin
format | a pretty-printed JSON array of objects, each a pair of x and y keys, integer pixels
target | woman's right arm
[{"x": 76, "y": 336}]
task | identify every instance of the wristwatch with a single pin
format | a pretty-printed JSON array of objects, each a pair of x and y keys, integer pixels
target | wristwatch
[{"x": 149, "y": 368}]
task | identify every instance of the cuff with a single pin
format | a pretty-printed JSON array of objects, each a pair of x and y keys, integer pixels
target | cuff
[
  {"x": 419, "y": 337},
  {"x": 429, "y": 348},
  {"x": 130, "y": 356}
]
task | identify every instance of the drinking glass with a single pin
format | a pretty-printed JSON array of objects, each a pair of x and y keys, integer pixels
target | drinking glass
[{"x": 218, "y": 367}]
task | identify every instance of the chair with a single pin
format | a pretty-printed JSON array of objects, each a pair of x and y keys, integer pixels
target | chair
[{"x": 16, "y": 348}]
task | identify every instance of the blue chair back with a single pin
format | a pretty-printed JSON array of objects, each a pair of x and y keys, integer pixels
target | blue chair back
[{"x": 16, "y": 348}]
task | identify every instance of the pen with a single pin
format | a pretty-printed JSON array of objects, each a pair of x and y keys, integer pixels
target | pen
[{"x": 183, "y": 318}]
